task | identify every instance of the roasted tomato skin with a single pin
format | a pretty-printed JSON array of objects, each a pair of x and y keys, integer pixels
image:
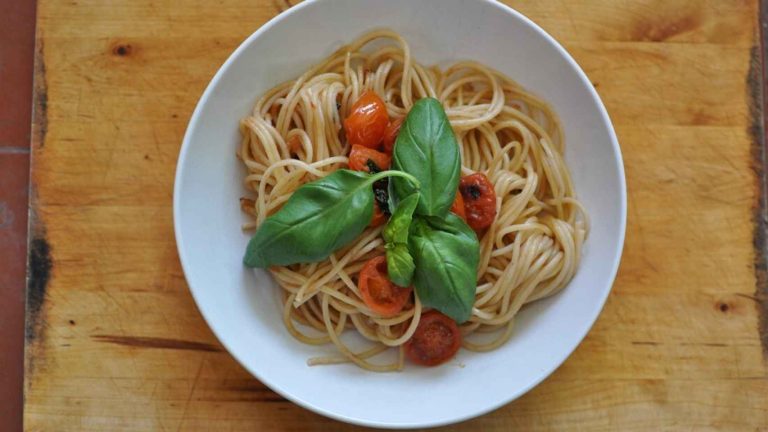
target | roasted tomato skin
[
  {"x": 367, "y": 121},
  {"x": 373, "y": 161},
  {"x": 367, "y": 159},
  {"x": 390, "y": 134},
  {"x": 458, "y": 206},
  {"x": 436, "y": 340},
  {"x": 479, "y": 201},
  {"x": 379, "y": 217},
  {"x": 378, "y": 292}
]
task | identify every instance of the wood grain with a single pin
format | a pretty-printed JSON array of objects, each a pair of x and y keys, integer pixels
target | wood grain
[{"x": 116, "y": 342}]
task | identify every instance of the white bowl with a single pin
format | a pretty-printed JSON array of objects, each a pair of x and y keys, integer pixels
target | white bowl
[{"x": 241, "y": 307}]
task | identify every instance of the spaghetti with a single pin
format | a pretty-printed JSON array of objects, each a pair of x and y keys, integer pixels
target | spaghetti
[{"x": 531, "y": 250}]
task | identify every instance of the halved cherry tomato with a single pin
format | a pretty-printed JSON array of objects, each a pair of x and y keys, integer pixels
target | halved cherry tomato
[
  {"x": 367, "y": 159},
  {"x": 479, "y": 200},
  {"x": 378, "y": 292},
  {"x": 367, "y": 121},
  {"x": 390, "y": 134},
  {"x": 458, "y": 206},
  {"x": 436, "y": 340}
]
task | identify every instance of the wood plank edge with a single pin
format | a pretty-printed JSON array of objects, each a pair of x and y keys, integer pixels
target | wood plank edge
[
  {"x": 758, "y": 100},
  {"x": 39, "y": 261}
]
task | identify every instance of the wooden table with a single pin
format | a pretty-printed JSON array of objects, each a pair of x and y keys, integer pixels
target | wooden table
[{"x": 115, "y": 341}]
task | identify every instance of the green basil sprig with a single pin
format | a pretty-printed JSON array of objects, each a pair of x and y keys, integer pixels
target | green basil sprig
[
  {"x": 444, "y": 250},
  {"x": 319, "y": 218},
  {"x": 427, "y": 149},
  {"x": 400, "y": 264},
  {"x": 446, "y": 253},
  {"x": 426, "y": 244}
]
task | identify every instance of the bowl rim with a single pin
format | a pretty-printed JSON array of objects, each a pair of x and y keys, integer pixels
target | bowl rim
[{"x": 603, "y": 295}]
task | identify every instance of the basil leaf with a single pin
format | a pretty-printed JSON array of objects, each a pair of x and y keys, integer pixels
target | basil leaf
[
  {"x": 446, "y": 253},
  {"x": 400, "y": 266},
  {"x": 396, "y": 230},
  {"x": 399, "y": 261},
  {"x": 319, "y": 218},
  {"x": 427, "y": 149}
]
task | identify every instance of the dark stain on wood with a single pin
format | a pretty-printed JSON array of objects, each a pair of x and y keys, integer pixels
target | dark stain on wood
[
  {"x": 723, "y": 307},
  {"x": 155, "y": 342},
  {"x": 274, "y": 399},
  {"x": 662, "y": 30},
  {"x": 714, "y": 344},
  {"x": 757, "y": 98},
  {"x": 39, "y": 262},
  {"x": 707, "y": 344},
  {"x": 747, "y": 296},
  {"x": 39, "y": 267},
  {"x": 40, "y": 90},
  {"x": 699, "y": 117},
  {"x": 259, "y": 393},
  {"x": 122, "y": 49},
  {"x": 282, "y": 5}
]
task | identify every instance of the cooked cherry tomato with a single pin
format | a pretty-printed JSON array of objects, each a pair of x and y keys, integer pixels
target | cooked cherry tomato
[
  {"x": 372, "y": 161},
  {"x": 458, "y": 206},
  {"x": 381, "y": 203},
  {"x": 379, "y": 217},
  {"x": 390, "y": 134},
  {"x": 436, "y": 340},
  {"x": 367, "y": 121},
  {"x": 378, "y": 292},
  {"x": 367, "y": 159},
  {"x": 479, "y": 200}
]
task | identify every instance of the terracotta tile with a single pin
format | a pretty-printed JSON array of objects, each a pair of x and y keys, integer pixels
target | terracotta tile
[
  {"x": 17, "y": 41},
  {"x": 14, "y": 178},
  {"x": 17, "y": 44}
]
